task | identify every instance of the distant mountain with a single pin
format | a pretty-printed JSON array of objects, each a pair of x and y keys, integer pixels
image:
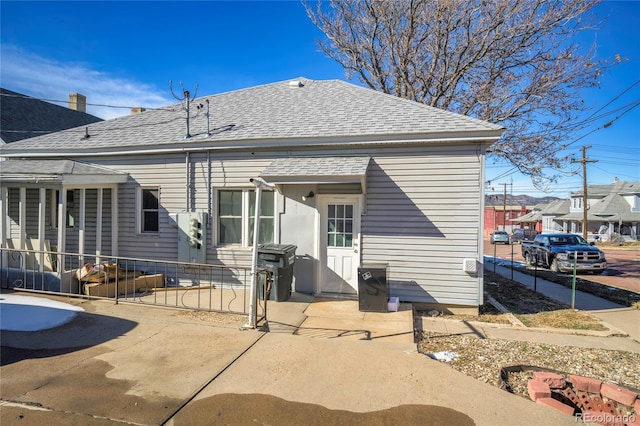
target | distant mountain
[{"x": 516, "y": 200}]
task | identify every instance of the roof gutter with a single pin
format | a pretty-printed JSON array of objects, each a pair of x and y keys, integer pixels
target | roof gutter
[{"x": 490, "y": 137}]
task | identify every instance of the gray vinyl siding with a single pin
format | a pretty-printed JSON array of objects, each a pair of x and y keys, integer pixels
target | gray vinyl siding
[
  {"x": 422, "y": 211},
  {"x": 169, "y": 174},
  {"x": 422, "y": 218}
]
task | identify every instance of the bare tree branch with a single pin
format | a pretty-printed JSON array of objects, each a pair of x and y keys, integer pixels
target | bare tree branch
[{"x": 511, "y": 62}]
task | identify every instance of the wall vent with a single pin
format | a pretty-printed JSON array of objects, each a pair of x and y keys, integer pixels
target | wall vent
[{"x": 470, "y": 266}]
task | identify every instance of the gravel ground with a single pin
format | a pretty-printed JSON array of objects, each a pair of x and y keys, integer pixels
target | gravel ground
[{"x": 484, "y": 358}]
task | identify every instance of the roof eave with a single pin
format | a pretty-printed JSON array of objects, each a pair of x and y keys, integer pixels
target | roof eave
[{"x": 487, "y": 137}]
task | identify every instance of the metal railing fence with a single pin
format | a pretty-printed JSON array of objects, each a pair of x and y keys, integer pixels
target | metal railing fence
[{"x": 195, "y": 286}]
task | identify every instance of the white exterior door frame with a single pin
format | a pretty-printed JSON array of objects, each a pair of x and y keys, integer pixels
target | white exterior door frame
[{"x": 338, "y": 263}]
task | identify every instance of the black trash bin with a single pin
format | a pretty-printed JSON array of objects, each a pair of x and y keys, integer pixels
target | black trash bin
[
  {"x": 373, "y": 290},
  {"x": 279, "y": 260}
]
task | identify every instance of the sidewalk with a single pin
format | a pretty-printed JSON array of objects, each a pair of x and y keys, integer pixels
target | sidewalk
[{"x": 617, "y": 317}]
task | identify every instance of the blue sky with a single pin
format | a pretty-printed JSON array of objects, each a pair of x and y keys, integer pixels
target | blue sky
[{"x": 123, "y": 53}]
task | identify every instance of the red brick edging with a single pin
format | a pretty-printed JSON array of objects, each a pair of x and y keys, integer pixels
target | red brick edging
[{"x": 587, "y": 398}]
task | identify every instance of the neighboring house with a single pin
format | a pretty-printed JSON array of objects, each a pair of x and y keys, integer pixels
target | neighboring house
[
  {"x": 542, "y": 216},
  {"x": 503, "y": 218},
  {"x": 362, "y": 178},
  {"x": 23, "y": 117},
  {"x": 612, "y": 211},
  {"x": 532, "y": 218}
]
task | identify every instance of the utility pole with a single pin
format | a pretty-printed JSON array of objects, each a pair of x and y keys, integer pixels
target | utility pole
[{"x": 584, "y": 162}]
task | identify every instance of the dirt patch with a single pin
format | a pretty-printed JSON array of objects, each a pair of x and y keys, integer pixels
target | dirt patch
[
  {"x": 215, "y": 318},
  {"x": 533, "y": 309},
  {"x": 565, "y": 318}
]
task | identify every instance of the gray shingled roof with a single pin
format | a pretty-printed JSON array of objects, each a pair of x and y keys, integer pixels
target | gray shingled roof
[
  {"x": 55, "y": 170},
  {"x": 23, "y": 117},
  {"x": 533, "y": 216},
  {"x": 277, "y": 112},
  {"x": 612, "y": 208},
  {"x": 557, "y": 207},
  {"x": 620, "y": 187},
  {"x": 611, "y": 204},
  {"x": 316, "y": 167}
]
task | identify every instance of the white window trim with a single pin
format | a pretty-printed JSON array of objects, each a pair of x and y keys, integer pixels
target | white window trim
[
  {"x": 138, "y": 213},
  {"x": 244, "y": 239},
  {"x": 53, "y": 209}
]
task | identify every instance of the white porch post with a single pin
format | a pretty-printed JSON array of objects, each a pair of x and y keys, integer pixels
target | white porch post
[
  {"x": 99, "y": 225},
  {"x": 22, "y": 237},
  {"x": 4, "y": 218},
  {"x": 259, "y": 184},
  {"x": 42, "y": 211},
  {"x": 62, "y": 228},
  {"x": 114, "y": 221},
  {"x": 81, "y": 224},
  {"x": 610, "y": 230},
  {"x": 23, "y": 218}
]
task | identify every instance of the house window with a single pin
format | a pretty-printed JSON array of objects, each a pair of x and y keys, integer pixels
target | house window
[
  {"x": 70, "y": 210},
  {"x": 267, "y": 209},
  {"x": 340, "y": 225},
  {"x": 236, "y": 216},
  {"x": 149, "y": 211}
]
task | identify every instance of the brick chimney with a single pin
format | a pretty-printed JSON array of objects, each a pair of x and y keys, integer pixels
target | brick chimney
[
  {"x": 137, "y": 110},
  {"x": 77, "y": 102}
]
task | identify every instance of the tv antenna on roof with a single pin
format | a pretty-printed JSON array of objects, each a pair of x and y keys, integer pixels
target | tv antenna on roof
[{"x": 186, "y": 100}]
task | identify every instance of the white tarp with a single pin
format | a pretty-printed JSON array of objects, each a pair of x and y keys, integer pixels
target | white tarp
[{"x": 27, "y": 313}]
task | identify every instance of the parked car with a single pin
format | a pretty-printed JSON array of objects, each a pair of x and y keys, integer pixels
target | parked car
[
  {"x": 499, "y": 237},
  {"x": 563, "y": 252},
  {"x": 520, "y": 235}
]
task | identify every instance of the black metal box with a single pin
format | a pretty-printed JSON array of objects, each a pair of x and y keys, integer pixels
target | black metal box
[{"x": 373, "y": 289}]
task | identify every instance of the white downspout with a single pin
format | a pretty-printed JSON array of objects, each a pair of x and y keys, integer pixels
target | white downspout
[{"x": 187, "y": 184}]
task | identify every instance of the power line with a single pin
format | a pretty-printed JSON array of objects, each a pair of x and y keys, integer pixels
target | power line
[
  {"x": 94, "y": 129},
  {"x": 615, "y": 98},
  {"x": 592, "y": 118},
  {"x": 635, "y": 178},
  {"x": 629, "y": 106},
  {"x": 88, "y": 103}
]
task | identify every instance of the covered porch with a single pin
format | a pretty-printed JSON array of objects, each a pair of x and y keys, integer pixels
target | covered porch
[
  {"x": 52, "y": 207},
  {"x": 609, "y": 219}
]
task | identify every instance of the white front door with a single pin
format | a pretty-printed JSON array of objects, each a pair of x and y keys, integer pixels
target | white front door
[{"x": 340, "y": 244}]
